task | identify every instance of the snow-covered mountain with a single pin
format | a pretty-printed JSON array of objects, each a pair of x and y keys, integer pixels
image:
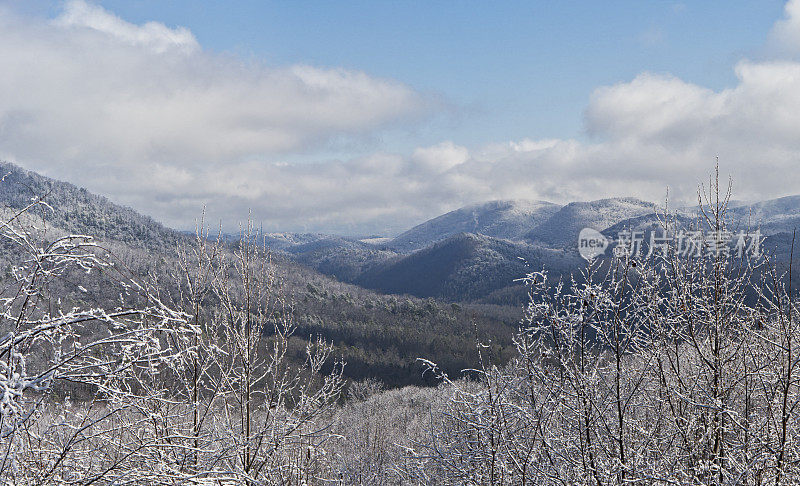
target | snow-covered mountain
[
  {"x": 284, "y": 241},
  {"x": 473, "y": 253},
  {"x": 563, "y": 227},
  {"x": 466, "y": 266},
  {"x": 509, "y": 220},
  {"x": 469, "y": 253},
  {"x": 343, "y": 258},
  {"x": 76, "y": 210},
  {"x": 653, "y": 222},
  {"x": 773, "y": 216}
]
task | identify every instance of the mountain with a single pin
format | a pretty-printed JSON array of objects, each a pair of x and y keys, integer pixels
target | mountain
[
  {"x": 466, "y": 267},
  {"x": 475, "y": 266},
  {"x": 474, "y": 253},
  {"x": 379, "y": 336},
  {"x": 650, "y": 222},
  {"x": 76, "y": 210},
  {"x": 343, "y": 258},
  {"x": 774, "y": 216},
  {"x": 339, "y": 286},
  {"x": 500, "y": 219},
  {"x": 284, "y": 241},
  {"x": 561, "y": 230}
]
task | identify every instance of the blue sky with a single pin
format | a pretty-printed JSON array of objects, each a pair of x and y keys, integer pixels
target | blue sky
[
  {"x": 369, "y": 117},
  {"x": 512, "y": 69}
]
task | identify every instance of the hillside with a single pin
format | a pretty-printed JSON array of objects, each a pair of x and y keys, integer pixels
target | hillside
[
  {"x": 284, "y": 241},
  {"x": 377, "y": 336},
  {"x": 470, "y": 266},
  {"x": 500, "y": 219},
  {"x": 76, "y": 210},
  {"x": 342, "y": 258},
  {"x": 649, "y": 222},
  {"x": 466, "y": 267},
  {"x": 773, "y": 216},
  {"x": 561, "y": 230},
  {"x": 380, "y": 306}
]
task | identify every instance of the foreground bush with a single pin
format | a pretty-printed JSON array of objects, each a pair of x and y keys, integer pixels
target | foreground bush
[
  {"x": 664, "y": 370},
  {"x": 194, "y": 381}
]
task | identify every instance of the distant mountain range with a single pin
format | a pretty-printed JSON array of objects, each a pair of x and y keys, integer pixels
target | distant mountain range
[
  {"x": 475, "y": 253},
  {"x": 467, "y": 266},
  {"x": 510, "y": 220},
  {"x": 562, "y": 229},
  {"x": 775, "y": 216},
  {"x": 378, "y": 336},
  {"x": 383, "y": 302}
]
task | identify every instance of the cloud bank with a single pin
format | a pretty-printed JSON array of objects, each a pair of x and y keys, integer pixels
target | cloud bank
[{"x": 145, "y": 115}]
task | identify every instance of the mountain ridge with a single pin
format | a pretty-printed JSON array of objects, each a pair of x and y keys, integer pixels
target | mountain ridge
[
  {"x": 80, "y": 211},
  {"x": 563, "y": 227},
  {"x": 507, "y": 219}
]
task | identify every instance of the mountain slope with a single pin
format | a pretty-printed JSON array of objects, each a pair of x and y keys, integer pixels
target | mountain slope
[
  {"x": 342, "y": 258},
  {"x": 76, "y": 210},
  {"x": 285, "y": 241},
  {"x": 465, "y": 267},
  {"x": 499, "y": 219},
  {"x": 649, "y": 222},
  {"x": 376, "y": 335},
  {"x": 774, "y": 216},
  {"x": 562, "y": 229}
]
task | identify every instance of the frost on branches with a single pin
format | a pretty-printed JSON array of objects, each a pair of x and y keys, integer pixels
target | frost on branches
[
  {"x": 179, "y": 377},
  {"x": 661, "y": 371}
]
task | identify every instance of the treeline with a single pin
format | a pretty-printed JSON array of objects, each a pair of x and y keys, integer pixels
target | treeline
[
  {"x": 77, "y": 211},
  {"x": 383, "y": 337},
  {"x": 378, "y": 336}
]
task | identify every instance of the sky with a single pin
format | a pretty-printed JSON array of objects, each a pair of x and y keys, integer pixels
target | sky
[{"x": 365, "y": 118}]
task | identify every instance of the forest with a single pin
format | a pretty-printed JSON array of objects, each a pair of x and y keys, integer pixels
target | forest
[{"x": 201, "y": 370}]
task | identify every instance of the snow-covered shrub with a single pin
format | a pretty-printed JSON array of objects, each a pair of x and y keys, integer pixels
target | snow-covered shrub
[{"x": 663, "y": 370}]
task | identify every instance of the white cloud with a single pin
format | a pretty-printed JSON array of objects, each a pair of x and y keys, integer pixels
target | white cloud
[
  {"x": 125, "y": 109},
  {"x": 651, "y": 133},
  {"x": 785, "y": 35},
  {"x": 439, "y": 158},
  {"x": 154, "y": 35},
  {"x": 146, "y": 116}
]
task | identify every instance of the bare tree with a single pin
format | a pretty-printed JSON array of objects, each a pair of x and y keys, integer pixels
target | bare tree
[
  {"x": 56, "y": 342},
  {"x": 665, "y": 368},
  {"x": 103, "y": 382},
  {"x": 277, "y": 387}
]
